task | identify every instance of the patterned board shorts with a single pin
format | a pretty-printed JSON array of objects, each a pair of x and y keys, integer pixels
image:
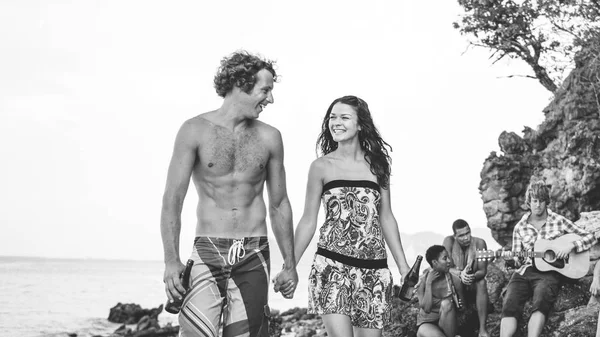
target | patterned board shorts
[
  {"x": 363, "y": 294},
  {"x": 229, "y": 285}
]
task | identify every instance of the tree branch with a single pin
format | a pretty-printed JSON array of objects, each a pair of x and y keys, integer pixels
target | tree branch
[{"x": 525, "y": 76}]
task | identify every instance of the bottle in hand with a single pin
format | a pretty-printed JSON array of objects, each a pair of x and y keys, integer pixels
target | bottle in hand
[
  {"x": 175, "y": 306},
  {"x": 410, "y": 281}
]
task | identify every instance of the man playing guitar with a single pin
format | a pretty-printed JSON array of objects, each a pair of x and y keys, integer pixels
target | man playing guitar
[{"x": 539, "y": 223}]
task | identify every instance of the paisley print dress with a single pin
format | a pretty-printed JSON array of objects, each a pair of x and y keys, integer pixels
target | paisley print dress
[{"x": 349, "y": 274}]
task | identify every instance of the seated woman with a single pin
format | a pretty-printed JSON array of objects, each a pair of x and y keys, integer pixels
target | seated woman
[{"x": 437, "y": 317}]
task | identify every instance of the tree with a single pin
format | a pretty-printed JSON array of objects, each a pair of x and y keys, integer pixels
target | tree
[{"x": 545, "y": 34}]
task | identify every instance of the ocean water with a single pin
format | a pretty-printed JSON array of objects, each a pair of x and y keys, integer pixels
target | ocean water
[{"x": 54, "y": 297}]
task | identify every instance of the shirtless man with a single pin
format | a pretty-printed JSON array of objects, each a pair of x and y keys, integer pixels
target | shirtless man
[
  {"x": 437, "y": 316},
  {"x": 462, "y": 247},
  {"x": 230, "y": 155}
]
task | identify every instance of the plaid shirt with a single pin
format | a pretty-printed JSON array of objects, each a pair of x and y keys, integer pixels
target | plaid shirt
[{"x": 525, "y": 235}]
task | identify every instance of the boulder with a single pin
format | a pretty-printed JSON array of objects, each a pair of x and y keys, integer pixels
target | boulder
[{"x": 131, "y": 313}]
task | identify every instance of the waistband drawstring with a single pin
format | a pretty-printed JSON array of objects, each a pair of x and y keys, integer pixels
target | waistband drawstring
[{"x": 236, "y": 251}]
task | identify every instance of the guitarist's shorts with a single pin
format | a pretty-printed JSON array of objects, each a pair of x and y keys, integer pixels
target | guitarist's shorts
[{"x": 542, "y": 287}]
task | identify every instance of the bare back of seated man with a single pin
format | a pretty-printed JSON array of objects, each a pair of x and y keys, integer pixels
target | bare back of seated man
[{"x": 229, "y": 155}]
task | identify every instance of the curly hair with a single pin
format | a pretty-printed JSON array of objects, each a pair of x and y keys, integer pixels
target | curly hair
[
  {"x": 376, "y": 153},
  {"x": 239, "y": 70}
]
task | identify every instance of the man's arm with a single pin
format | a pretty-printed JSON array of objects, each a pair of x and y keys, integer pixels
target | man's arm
[
  {"x": 587, "y": 238},
  {"x": 280, "y": 212},
  {"x": 178, "y": 180},
  {"x": 448, "y": 243},
  {"x": 482, "y": 264},
  {"x": 517, "y": 246}
]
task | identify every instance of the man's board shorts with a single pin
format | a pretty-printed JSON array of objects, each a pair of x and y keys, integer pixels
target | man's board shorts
[
  {"x": 229, "y": 280},
  {"x": 360, "y": 289}
]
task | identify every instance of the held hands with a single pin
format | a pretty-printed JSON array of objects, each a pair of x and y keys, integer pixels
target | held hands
[
  {"x": 286, "y": 281},
  {"x": 173, "y": 286}
]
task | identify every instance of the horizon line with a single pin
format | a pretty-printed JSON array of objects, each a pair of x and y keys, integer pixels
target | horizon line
[{"x": 37, "y": 257}]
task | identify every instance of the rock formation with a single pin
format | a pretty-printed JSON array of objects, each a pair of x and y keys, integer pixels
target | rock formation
[
  {"x": 131, "y": 313},
  {"x": 146, "y": 321},
  {"x": 564, "y": 150}
]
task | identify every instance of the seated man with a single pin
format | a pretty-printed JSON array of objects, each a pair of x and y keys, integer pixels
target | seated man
[
  {"x": 437, "y": 317},
  {"x": 462, "y": 247},
  {"x": 539, "y": 223}
]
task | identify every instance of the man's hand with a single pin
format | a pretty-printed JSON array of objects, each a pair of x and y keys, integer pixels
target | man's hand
[
  {"x": 466, "y": 278},
  {"x": 507, "y": 255},
  {"x": 286, "y": 281},
  {"x": 564, "y": 250},
  {"x": 510, "y": 262},
  {"x": 173, "y": 286}
]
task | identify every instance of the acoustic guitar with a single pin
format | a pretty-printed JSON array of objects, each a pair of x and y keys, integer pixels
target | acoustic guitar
[{"x": 574, "y": 266}]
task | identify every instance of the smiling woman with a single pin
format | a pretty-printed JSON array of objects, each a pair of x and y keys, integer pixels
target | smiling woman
[
  {"x": 343, "y": 122},
  {"x": 349, "y": 275}
]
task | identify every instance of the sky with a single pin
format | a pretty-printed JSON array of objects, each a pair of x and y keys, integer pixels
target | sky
[{"x": 92, "y": 94}]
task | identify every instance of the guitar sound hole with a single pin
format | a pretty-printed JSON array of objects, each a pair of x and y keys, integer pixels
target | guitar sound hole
[{"x": 549, "y": 256}]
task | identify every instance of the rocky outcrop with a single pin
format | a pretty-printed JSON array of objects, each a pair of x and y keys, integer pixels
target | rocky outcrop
[
  {"x": 145, "y": 320},
  {"x": 131, "y": 313},
  {"x": 296, "y": 322},
  {"x": 564, "y": 150},
  {"x": 147, "y": 327}
]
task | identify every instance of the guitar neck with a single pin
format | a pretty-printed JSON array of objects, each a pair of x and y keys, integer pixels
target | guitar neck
[{"x": 523, "y": 254}]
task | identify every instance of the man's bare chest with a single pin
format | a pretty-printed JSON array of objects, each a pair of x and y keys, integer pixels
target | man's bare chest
[{"x": 228, "y": 152}]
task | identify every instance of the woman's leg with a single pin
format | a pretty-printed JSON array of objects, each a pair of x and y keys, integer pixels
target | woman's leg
[{"x": 337, "y": 325}]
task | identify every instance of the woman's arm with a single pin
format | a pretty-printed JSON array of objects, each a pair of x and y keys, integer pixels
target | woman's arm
[
  {"x": 391, "y": 232},
  {"x": 308, "y": 222}
]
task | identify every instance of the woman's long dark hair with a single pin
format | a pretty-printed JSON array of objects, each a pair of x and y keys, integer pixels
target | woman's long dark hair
[{"x": 376, "y": 153}]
